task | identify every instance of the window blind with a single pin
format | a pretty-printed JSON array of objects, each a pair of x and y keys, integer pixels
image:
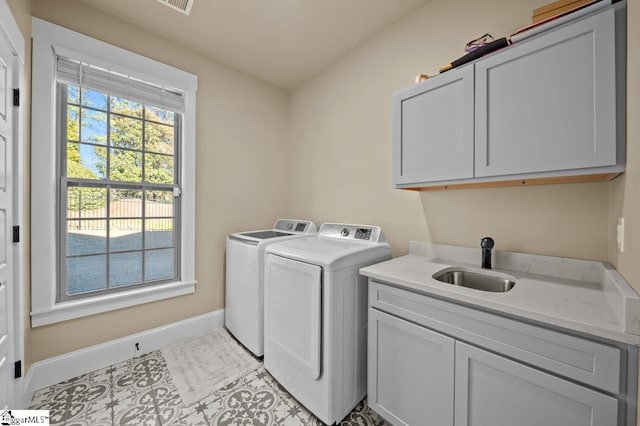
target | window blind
[{"x": 82, "y": 74}]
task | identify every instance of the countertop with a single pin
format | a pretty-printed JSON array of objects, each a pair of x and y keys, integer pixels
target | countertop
[{"x": 585, "y": 296}]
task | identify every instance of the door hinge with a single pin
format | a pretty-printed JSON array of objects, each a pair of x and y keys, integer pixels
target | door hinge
[
  {"x": 16, "y": 234},
  {"x": 17, "y": 371},
  {"x": 16, "y": 97}
]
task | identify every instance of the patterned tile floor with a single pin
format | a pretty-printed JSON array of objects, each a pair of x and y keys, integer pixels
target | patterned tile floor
[{"x": 140, "y": 391}]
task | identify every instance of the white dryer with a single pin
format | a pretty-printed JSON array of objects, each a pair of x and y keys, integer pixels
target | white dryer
[
  {"x": 244, "y": 291},
  {"x": 316, "y": 316}
]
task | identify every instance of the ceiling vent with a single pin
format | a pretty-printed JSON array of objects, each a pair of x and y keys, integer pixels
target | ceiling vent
[{"x": 183, "y": 6}]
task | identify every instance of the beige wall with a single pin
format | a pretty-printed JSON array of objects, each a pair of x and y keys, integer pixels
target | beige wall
[
  {"x": 625, "y": 191},
  {"x": 342, "y": 120},
  {"x": 241, "y": 134}
]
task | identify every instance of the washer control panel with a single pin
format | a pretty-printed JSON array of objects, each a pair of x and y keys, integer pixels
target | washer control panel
[
  {"x": 364, "y": 233},
  {"x": 295, "y": 226}
]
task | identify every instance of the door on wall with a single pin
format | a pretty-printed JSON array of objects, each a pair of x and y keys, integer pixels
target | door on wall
[{"x": 7, "y": 285}]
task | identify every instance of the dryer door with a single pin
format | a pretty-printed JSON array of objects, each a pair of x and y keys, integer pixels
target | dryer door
[{"x": 293, "y": 313}]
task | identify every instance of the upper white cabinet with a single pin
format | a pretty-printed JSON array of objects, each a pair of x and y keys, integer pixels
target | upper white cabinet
[
  {"x": 550, "y": 104},
  {"x": 427, "y": 152},
  {"x": 550, "y": 107}
]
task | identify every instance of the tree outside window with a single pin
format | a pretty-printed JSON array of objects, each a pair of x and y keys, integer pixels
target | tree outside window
[{"x": 120, "y": 174}]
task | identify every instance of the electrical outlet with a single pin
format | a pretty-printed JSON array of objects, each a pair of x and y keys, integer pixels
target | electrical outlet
[{"x": 620, "y": 237}]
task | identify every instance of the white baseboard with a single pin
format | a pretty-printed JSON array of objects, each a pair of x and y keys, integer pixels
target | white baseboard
[{"x": 64, "y": 367}]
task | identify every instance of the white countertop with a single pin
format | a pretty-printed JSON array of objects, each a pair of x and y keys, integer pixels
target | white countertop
[{"x": 585, "y": 296}]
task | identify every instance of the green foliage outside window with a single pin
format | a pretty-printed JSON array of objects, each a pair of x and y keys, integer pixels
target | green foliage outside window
[{"x": 141, "y": 146}]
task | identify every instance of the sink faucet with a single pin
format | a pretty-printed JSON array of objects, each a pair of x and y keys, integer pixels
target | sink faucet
[{"x": 487, "y": 244}]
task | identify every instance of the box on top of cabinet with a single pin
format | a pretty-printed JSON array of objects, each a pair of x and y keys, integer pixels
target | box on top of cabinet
[{"x": 556, "y": 8}]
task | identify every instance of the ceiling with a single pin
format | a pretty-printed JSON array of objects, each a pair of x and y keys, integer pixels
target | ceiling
[{"x": 284, "y": 42}]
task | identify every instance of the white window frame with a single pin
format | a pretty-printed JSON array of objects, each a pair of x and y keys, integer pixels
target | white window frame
[{"x": 47, "y": 40}]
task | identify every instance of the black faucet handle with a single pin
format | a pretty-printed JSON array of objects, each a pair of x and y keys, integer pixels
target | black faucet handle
[{"x": 487, "y": 243}]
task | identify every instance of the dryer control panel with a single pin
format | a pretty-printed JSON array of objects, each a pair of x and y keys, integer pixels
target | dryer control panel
[{"x": 364, "y": 233}]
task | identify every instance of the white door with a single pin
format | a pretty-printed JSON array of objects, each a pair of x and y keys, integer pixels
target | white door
[
  {"x": 293, "y": 314},
  {"x": 6, "y": 222}
]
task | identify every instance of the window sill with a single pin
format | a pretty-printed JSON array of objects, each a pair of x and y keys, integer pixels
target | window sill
[{"x": 109, "y": 302}]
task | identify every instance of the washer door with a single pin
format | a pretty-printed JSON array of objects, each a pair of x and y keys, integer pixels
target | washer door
[{"x": 294, "y": 312}]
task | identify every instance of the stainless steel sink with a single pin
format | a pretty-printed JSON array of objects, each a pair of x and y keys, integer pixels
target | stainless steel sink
[{"x": 485, "y": 281}]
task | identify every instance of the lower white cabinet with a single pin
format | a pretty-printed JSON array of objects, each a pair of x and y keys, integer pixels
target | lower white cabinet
[
  {"x": 492, "y": 390},
  {"x": 436, "y": 363},
  {"x": 412, "y": 370}
]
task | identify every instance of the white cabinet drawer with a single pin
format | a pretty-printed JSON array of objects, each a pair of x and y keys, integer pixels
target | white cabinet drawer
[{"x": 590, "y": 362}]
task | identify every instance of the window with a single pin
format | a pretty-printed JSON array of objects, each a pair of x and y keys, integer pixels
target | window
[
  {"x": 117, "y": 187},
  {"x": 113, "y": 177}
]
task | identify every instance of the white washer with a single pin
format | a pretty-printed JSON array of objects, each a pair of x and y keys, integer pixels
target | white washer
[
  {"x": 316, "y": 316},
  {"x": 244, "y": 291}
]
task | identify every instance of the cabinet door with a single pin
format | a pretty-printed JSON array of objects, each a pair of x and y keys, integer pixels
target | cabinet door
[
  {"x": 549, "y": 104},
  {"x": 433, "y": 129},
  {"x": 410, "y": 372},
  {"x": 495, "y": 391}
]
